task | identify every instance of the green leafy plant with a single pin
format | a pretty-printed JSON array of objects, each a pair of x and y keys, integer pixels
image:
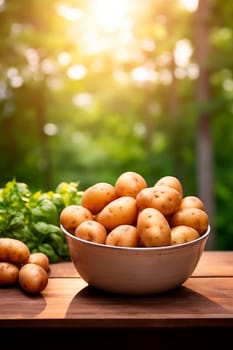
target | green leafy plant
[{"x": 34, "y": 217}]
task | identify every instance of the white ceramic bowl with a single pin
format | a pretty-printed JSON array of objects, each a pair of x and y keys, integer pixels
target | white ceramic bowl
[{"x": 135, "y": 271}]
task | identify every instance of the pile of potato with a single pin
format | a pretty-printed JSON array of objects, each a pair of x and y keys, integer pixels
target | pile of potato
[
  {"x": 20, "y": 267},
  {"x": 131, "y": 214}
]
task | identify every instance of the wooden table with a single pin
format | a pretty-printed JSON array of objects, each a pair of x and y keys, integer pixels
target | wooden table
[{"x": 68, "y": 312}]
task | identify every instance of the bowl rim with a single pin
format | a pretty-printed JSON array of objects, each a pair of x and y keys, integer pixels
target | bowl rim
[{"x": 141, "y": 249}]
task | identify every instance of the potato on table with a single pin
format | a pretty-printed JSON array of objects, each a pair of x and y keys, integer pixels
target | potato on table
[
  {"x": 33, "y": 278},
  {"x": 14, "y": 251},
  {"x": 8, "y": 274},
  {"x": 40, "y": 259}
]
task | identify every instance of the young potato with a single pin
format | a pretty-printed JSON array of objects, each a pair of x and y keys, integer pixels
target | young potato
[
  {"x": 193, "y": 217},
  {"x": 129, "y": 184},
  {"x": 120, "y": 211},
  {"x": 163, "y": 198},
  {"x": 171, "y": 181},
  {"x": 40, "y": 259},
  {"x": 98, "y": 196},
  {"x": 33, "y": 278},
  {"x": 192, "y": 202},
  {"x": 91, "y": 231},
  {"x": 13, "y": 251},
  {"x": 123, "y": 236},
  {"x": 153, "y": 228},
  {"x": 182, "y": 234},
  {"x": 72, "y": 216},
  {"x": 8, "y": 274}
]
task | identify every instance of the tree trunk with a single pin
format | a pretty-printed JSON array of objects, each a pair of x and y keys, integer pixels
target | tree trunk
[{"x": 205, "y": 176}]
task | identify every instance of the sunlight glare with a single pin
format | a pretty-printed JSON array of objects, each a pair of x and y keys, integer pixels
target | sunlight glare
[
  {"x": 110, "y": 13},
  {"x": 143, "y": 75},
  {"x": 193, "y": 71},
  {"x": 71, "y": 14},
  {"x": 50, "y": 129},
  {"x": 77, "y": 72},
  {"x": 83, "y": 99},
  {"x": 2, "y": 5},
  {"x": 64, "y": 58},
  {"x": 228, "y": 85},
  {"x": 165, "y": 77},
  {"x": 16, "y": 81},
  {"x": 190, "y": 5},
  {"x": 182, "y": 52}
]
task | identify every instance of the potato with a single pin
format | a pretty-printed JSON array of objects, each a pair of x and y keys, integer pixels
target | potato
[
  {"x": 91, "y": 231},
  {"x": 40, "y": 259},
  {"x": 13, "y": 251},
  {"x": 8, "y": 274},
  {"x": 182, "y": 234},
  {"x": 98, "y": 196},
  {"x": 193, "y": 217},
  {"x": 33, "y": 278},
  {"x": 129, "y": 184},
  {"x": 192, "y": 202},
  {"x": 123, "y": 236},
  {"x": 72, "y": 216},
  {"x": 163, "y": 198},
  {"x": 120, "y": 211},
  {"x": 171, "y": 181},
  {"x": 153, "y": 228}
]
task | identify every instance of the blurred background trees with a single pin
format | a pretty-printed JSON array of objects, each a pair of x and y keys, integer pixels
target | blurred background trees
[{"x": 93, "y": 88}]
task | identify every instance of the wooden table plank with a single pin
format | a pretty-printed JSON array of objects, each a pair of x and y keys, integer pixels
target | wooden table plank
[
  {"x": 71, "y": 303},
  {"x": 215, "y": 263},
  {"x": 206, "y": 299}
]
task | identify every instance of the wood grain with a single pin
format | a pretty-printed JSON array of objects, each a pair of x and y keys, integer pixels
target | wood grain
[{"x": 205, "y": 299}]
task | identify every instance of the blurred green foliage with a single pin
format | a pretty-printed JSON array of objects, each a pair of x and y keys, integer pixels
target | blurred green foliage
[{"x": 80, "y": 101}]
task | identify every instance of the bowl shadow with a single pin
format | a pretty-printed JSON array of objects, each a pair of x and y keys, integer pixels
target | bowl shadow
[{"x": 100, "y": 304}]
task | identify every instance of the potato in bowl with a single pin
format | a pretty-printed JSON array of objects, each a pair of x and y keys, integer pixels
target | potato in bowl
[{"x": 141, "y": 239}]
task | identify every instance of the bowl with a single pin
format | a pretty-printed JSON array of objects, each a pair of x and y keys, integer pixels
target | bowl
[{"x": 135, "y": 271}]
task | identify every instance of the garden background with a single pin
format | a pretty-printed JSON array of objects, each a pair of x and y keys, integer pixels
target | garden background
[{"x": 93, "y": 88}]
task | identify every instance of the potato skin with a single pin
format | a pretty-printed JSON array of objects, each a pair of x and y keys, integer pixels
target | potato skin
[
  {"x": 193, "y": 217},
  {"x": 8, "y": 274},
  {"x": 153, "y": 228},
  {"x": 40, "y": 259},
  {"x": 129, "y": 184},
  {"x": 96, "y": 197},
  {"x": 192, "y": 202},
  {"x": 13, "y": 251},
  {"x": 183, "y": 234},
  {"x": 33, "y": 278},
  {"x": 92, "y": 231},
  {"x": 123, "y": 236},
  {"x": 72, "y": 215},
  {"x": 163, "y": 198},
  {"x": 122, "y": 210},
  {"x": 171, "y": 181}
]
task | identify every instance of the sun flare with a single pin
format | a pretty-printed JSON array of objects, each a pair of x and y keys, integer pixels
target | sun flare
[{"x": 109, "y": 13}]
